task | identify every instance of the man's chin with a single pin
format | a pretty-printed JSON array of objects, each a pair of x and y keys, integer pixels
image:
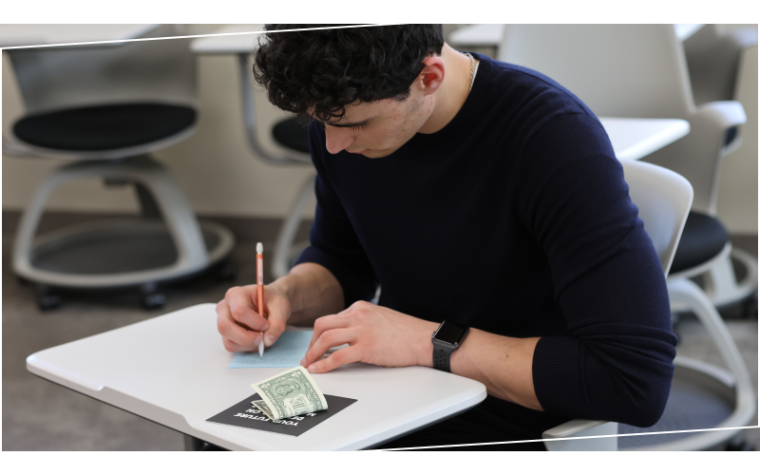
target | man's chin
[{"x": 375, "y": 153}]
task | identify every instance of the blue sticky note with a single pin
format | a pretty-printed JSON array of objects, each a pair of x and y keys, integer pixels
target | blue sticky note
[{"x": 287, "y": 352}]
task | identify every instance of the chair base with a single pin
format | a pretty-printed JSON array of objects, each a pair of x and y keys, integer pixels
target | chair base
[
  {"x": 166, "y": 243},
  {"x": 721, "y": 285},
  {"x": 582, "y": 435},
  {"x": 702, "y": 397},
  {"x": 719, "y": 281},
  {"x": 116, "y": 253}
]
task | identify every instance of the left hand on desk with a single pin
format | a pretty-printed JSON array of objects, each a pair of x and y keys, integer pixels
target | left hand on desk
[{"x": 376, "y": 335}]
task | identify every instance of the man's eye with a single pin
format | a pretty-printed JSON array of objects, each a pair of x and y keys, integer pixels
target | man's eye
[{"x": 359, "y": 127}]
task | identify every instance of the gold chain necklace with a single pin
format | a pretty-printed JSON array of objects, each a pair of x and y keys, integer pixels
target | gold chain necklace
[{"x": 473, "y": 71}]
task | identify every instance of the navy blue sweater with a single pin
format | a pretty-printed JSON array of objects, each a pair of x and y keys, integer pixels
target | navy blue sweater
[{"x": 524, "y": 182}]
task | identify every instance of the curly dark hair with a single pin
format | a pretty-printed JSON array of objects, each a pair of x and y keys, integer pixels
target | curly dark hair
[{"x": 322, "y": 71}]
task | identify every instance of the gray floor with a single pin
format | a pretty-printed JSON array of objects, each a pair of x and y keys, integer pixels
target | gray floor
[{"x": 39, "y": 415}]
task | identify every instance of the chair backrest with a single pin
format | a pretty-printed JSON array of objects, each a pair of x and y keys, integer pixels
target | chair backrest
[
  {"x": 260, "y": 118},
  {"x": 54, "y": 78},
  {"x": 664, "y": 198},
  {"x": 713, "y": 57},
  {"x": 617, "y": 70}
]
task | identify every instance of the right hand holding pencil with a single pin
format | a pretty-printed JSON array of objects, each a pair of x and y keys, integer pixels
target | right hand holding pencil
[{"x": 240, "y": 323}]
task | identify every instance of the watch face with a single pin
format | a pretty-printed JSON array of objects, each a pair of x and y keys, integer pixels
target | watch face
[{"x": 450, "y": 332}]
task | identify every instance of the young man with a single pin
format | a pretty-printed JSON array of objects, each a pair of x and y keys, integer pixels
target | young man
[{"x": 473, "y": 192}]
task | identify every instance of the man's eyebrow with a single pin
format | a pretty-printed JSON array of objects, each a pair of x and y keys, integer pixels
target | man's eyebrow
[{"x": 348, "y": 124}]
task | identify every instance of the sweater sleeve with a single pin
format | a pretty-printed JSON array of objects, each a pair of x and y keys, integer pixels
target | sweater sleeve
[
  {"x": 616, "y": 362},
  {"x": 333, "y": 241}
]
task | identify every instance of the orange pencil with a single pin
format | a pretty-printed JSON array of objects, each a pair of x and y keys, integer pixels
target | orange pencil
[{"x": 260, "y": 289}]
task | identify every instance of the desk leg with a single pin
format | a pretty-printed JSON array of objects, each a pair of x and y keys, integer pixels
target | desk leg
[{"x": 194, "y": 444}]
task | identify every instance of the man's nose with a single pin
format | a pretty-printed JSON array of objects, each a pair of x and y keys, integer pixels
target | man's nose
[{"x": 337, "y": 139}]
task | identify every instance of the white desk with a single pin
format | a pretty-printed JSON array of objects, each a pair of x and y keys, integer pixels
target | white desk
[
  {"x": 237, "y": 39},
  {"x": 633, "y": 139},
  {"x": 173, "y": 370},
  {"x": 38, "y": 35},
  {"x": 490, "y": 35}
]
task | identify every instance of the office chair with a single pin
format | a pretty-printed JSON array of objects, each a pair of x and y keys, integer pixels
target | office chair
[
  {"x": 106, "y": 109},
  {"x": 290, "y": 147},
  {"x": 663, "y": 199},
  {"x": 702, "y": 395},
  {"x": 640, "y": 71},
  {"x": 722, "y": 67}
]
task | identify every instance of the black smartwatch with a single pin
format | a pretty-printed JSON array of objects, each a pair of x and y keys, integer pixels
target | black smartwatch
[{"x": 446, "y": 339}]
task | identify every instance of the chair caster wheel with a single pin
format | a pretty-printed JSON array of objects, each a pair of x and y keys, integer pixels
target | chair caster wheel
[
  {"x": 153, "y": 301},
  {"x": 740, "y": 445},
  {"x": 47, "y": 300},
  {"x": 150, "y": 298}
]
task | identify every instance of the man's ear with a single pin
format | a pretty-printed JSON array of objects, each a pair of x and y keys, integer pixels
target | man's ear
[{"x": 431, "y": 77}]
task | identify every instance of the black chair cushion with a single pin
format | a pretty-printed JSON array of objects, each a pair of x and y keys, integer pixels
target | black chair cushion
[
  {"x": 292, "y": 134},
  {"x": 702, "y": 239},
  {"x": 106, "y": 127}
]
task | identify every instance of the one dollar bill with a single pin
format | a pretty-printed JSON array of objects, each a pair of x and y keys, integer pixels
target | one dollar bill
[
  {"x": 289, "y": 394},
  {"x": 262, "y": 406}
]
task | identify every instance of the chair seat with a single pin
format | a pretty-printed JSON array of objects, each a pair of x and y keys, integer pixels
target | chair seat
[
  {"x": 702, "y": 239},
  {"x": 104, "y": 127},
  {"x": 292, "y": 134}
]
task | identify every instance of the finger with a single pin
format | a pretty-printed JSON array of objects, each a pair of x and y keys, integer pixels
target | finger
[
  {"x": 242, "y": 304},
  {"x": 232, "y": 330},
  {"x": 329, "y": 322},
  {"x": 329, "y": 339},
  {"x": 233, "y": 347},
  {"x": 342, "y": 357},
  {"x": 247, "y": 339}
]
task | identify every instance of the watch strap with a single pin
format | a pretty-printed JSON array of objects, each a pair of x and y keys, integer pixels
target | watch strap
[{"x": 442, "y": 357}]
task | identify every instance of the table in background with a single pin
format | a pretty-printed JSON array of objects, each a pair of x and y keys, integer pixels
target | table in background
[{"x": 633, "y": 139}]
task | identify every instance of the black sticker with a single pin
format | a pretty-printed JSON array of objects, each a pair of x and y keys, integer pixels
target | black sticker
[{"x": 245, "y": 414}]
